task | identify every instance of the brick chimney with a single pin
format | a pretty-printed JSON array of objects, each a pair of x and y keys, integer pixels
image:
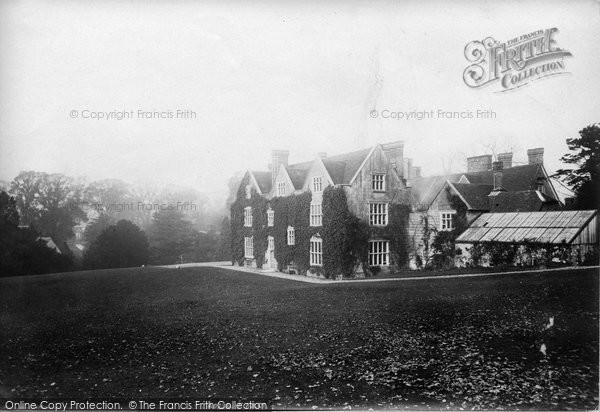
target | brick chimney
[
  {"x": 322, "y": 155},
  {"x": 536, "y": 156},
  {"x": 408, "y": 168},
  {"x": 278, "y": 158},
  {"x": 395, "y": 153},
  {"x": 479, "y": 163},
  {"x": 506, "y": 159},
  {"x": 497, "y": 168}
]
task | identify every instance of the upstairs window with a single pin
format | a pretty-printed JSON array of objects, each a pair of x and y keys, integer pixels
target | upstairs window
[
  {"x": 291, "y": 236},
  {"x": 270, "y": 217},
  {"x": 316, "y": 214},
  {"x": 378, "y": 182},
  {"x": 280, "y": 188},
  {"x": 317, "y": 184},
  {"x": 248, "y": 217},
  {"x": 378, "y": 214},
  {"x": 248, "y": 191},
  {"x": 447, "y": 220}
]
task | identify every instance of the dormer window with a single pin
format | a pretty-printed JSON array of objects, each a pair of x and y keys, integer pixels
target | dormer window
[
  {"x": 317, "y": 184},
  {"x": 280, "y": 188},
  {"x": 378, "y": 182}
]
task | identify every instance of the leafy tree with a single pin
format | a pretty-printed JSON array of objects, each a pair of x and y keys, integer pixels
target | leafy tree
[
  {"x": 21, "y": 250},
  {"x": 171, "y": 236},
  {"x": 118, "y": 246},
  {"x": 9, "y": 217},
  {"x": 49, "y": 202},
  {"x": 585, "y": 178},
  {"x": 223, "y": 251},
  {"x": 26, "y": 190},
  {"x": 97, "y": 226},
  {"x": 101, "y": 194}
]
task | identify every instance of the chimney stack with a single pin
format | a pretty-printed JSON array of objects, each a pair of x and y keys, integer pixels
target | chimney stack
[
  {"x": 395, "y": 154},
  {"x": 416, "y": 171},
  {"x": 322, "y": 155},
  {"x": 506, "y": 159},
  {"x": 408, "y": 168},
  {"x": 536, "y": 156},
  {"x": 479, "y": 163},
  {"x": 497, "y": 168},
  {"x": 278, "y": 158}
]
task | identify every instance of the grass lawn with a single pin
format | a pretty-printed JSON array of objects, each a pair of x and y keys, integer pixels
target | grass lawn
[{"x": 206, "y": 332}]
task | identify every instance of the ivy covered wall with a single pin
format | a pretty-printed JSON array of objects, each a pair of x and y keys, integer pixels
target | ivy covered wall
[{"x": 345, "y": 237}]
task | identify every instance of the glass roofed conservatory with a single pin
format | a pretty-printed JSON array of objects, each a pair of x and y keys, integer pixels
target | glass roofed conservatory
[{"x": 570, "y": 226}]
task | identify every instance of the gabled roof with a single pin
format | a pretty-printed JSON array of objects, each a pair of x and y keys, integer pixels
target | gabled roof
[
  {"x": 476, "y": 195},
  {"x": 522, "y": 201},
  {"x": 514, "y": 179},
  {"x": 264, "y": 180},
  {"x": 343, "y": 167}
]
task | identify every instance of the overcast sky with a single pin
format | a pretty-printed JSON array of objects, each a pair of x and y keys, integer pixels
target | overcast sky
[{"x": 268, "y": 75}]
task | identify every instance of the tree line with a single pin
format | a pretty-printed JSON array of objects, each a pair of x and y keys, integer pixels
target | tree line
[{"x": 124, "y": 224}]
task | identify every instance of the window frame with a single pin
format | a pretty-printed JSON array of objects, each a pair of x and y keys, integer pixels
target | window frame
[
  {"x": 316, "y": 217},
  {"x": 444, "y": 220},
  {"x": 377, "y": 217},
  {"x": 281, "y": 189},
  {"x": 248, "y": 216},
  {"x": 316, "y": 251},
  {"x": 317, "y": 184},
  {"x": 249, "y": 246},
  {"x": 291, "y": 236},
  {"x": 270, "y": 217},
  {"x": 375, "y": 182},
  {"x": 379, "y": 256}
]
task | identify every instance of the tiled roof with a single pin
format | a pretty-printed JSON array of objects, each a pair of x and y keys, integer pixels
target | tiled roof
[
  {"x": 476, "y": 195},
  {"x": 521, "y": 201},
  {"x": 264, "y": 180},
  {"x": 336, "y": 170},
  {"x": 298, "y": 176},
  {"x": 345, "y": 166},
  {"x": 516, "y": 178}
]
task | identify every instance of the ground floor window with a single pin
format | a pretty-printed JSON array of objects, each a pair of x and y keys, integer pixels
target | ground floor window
[
  {"x": 249, "y": 247},
  {"x": 447, "y": 220},
  {"x": 379, "y": 253},
  {"x": 271, "y": 243},
  {"x": 316, "y": 251}
]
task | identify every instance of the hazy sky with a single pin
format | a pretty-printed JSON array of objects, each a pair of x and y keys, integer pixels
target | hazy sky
[{"x": 261, "y": 75}]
